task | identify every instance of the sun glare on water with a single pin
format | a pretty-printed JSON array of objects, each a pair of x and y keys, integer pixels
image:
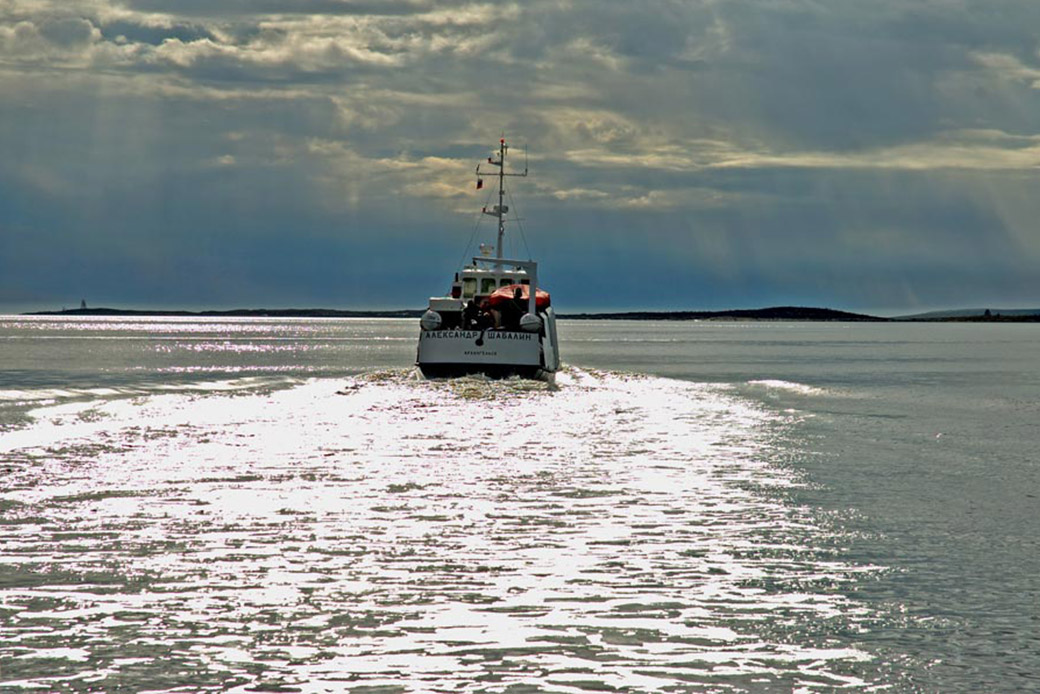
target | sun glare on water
[{"x": 467, "y": 535}]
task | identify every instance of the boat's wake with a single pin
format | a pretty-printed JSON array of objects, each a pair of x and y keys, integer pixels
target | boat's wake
[{"x": 611, "y": 531}]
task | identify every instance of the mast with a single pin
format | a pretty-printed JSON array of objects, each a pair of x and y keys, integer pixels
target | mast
[
  {"x": 499, "y": 211},
  {"x": 501, "y": 192}
]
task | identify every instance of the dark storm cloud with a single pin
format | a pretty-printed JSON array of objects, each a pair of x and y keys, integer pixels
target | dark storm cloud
[
  {"x": 68, "y": 31},
  {"x": 253, "y": 8},
  {"x": 134, "y": 32},
  {"x": 712, "y": 153}
]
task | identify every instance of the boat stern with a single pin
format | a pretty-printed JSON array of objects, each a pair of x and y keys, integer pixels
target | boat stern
[{"x": 492, "y": 352}]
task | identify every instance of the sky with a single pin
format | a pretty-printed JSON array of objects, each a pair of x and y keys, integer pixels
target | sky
[{"x": 869, "y": 155}]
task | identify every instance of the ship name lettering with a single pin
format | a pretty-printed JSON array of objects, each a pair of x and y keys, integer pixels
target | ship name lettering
[
  {"x": 450, "y": 334},
  {"x": 510, "y": 336}
]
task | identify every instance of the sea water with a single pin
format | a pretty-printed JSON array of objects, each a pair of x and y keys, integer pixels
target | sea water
[{"x": 286, "y": 505}]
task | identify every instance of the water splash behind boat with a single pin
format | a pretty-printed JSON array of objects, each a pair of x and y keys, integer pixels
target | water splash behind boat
[{"x": 382, "y": 530}]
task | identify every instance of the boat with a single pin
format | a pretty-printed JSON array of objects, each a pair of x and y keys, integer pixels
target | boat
[{"x": 496, "y": 319}]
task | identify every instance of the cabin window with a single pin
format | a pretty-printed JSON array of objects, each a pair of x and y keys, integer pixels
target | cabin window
[
  {"x": 487, "y": 285},
  {"x": 527, "y": 282},
  {"x": 469, "y": 287},
  {"x": 506, "y": 281}
]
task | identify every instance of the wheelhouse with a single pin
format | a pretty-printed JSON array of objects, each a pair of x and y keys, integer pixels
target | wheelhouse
[{"x": 475, "y": 282}]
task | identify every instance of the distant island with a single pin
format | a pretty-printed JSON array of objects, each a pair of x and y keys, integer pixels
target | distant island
[
  {"x": 236, "y": 313},
  {"x": 792, "y": 313},
  {"x": 775, "y": 313},
  {"x": 803, "y": 313}
]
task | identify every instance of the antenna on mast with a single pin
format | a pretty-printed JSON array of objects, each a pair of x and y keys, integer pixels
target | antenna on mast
[{"x": 499, "y": 211}]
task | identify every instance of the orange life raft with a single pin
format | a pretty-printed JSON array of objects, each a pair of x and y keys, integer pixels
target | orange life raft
[{"x": 504, "y": 295}]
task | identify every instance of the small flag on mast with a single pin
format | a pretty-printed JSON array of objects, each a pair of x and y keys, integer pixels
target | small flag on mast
[{"x": 480, "y": 183}]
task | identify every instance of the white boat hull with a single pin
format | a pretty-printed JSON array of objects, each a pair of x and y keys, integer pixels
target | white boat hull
[{"x": 496, "y": 353}]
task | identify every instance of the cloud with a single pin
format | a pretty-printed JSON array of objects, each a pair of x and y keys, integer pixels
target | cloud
[
  {"x": 253, "y": 8},
  {"x": 777, "y": 148},
  {"x": 60, "y": 40},
  {"x": 1009, "y": 67},
  {"x": 984, "y": 150},
  {"x": 69, "y": 32}
]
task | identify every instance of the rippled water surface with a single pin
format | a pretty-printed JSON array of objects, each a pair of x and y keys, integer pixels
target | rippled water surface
[{"x": 263, "y": 505}]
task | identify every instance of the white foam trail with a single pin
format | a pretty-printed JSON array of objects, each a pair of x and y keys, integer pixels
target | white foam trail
[
  {"x": 619, "y": 529},
  {"x": 799, "y": 388}
]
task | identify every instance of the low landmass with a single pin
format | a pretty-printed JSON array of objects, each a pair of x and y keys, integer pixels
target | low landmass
[
  {"x": 774, "y": 313},
  {"x": 794, "y": 313},
  {"x": 1006, "y": 315},
  {"x": 237, "y": 313},
  {"x": 802, "y": 313}
]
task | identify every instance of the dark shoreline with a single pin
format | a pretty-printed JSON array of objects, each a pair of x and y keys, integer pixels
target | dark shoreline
[
  {"x": 793, "y": 313},
  {"x": 775, "y": 313},
  {"x": 235, "y": 313}
]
